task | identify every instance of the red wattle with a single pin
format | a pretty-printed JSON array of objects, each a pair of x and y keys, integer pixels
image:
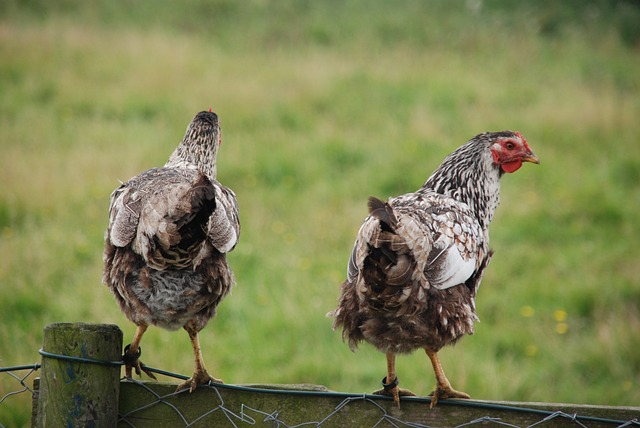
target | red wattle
[{"x": 512, "y": 166}]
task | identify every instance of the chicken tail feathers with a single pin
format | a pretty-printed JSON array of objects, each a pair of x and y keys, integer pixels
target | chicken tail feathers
[
  {"x": 203, "y": 202},
  {"x": 383, "y": 212}
]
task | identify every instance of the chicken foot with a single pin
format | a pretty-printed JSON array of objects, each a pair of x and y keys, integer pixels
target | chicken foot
[{"x": 443, "y": 387}]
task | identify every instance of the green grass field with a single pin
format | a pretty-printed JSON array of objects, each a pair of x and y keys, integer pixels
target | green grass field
[{"x": 323, "y": 104}]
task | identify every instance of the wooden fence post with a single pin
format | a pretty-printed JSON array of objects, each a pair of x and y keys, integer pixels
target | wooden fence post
[{"x": 76, "y": 393}]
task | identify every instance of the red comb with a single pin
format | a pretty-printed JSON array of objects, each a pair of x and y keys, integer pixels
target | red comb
[{"x": 210, "y": 110}]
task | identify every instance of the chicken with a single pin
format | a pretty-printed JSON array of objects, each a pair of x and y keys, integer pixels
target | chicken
[
  {"x": 419, "y": 258},
  {"x": 169, "y": 231}
]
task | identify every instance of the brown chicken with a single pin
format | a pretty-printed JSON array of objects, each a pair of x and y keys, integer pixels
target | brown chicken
[{"x": 169, "y": 231}]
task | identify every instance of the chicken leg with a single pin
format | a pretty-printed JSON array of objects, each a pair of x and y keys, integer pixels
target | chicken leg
[
  {"x": 443, "y": 387},
  {"x": 200, "y": 375},
  {"x": 390, "y": 383},
  {"x": 132, "y": 354}
]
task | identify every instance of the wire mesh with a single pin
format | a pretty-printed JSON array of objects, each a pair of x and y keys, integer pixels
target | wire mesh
[{"x": 250, "y": 414}]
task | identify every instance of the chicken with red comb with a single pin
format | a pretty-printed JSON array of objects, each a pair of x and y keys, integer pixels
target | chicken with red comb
[{"x": 419, "y": 258}]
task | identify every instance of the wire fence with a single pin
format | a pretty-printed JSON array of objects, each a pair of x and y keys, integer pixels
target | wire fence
[
  {"x": 27, "y": 372},
  {"x": 248, "y": 415}
]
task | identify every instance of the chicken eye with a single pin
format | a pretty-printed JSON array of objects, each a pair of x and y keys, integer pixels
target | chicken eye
[{"x": 509, "y": 145}]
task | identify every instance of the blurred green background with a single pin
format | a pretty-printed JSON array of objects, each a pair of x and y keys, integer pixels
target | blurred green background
[{"x": 322, "y": 104}]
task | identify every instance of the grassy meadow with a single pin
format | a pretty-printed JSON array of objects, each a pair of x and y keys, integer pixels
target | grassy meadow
[{"x": 323, "y": 104}]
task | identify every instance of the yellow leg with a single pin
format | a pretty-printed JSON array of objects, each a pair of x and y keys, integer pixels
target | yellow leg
[
  {"x": 200, "y": 375},
  {"x": 390, "y": 383},
  {"x": 392, "y": 378},
  {"x": 443, "y": 387}
]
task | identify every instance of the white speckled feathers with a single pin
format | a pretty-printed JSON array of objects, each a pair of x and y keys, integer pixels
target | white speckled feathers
[
  {"x": 437, "y": 232},
  {"x": 224, "y": 223},
  {"x": 152, "y": 211}
]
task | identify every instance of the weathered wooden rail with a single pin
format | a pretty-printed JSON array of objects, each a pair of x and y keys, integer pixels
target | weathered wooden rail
[{"x": 80, "y": 386}]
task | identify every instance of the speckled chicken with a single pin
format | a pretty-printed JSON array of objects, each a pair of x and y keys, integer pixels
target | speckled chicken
[
  {"x": 169, "y": 231},
  {"x": 419, "y": 258}
]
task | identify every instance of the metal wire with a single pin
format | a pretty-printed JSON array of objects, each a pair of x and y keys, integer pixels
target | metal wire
[{"x": 79, "y": 359}]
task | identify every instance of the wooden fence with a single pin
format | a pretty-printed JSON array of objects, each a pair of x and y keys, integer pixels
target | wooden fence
[{"x": 80, "y": 386}]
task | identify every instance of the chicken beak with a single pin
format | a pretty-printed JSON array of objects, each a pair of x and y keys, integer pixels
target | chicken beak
[{"x": 531, "y": 157}]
